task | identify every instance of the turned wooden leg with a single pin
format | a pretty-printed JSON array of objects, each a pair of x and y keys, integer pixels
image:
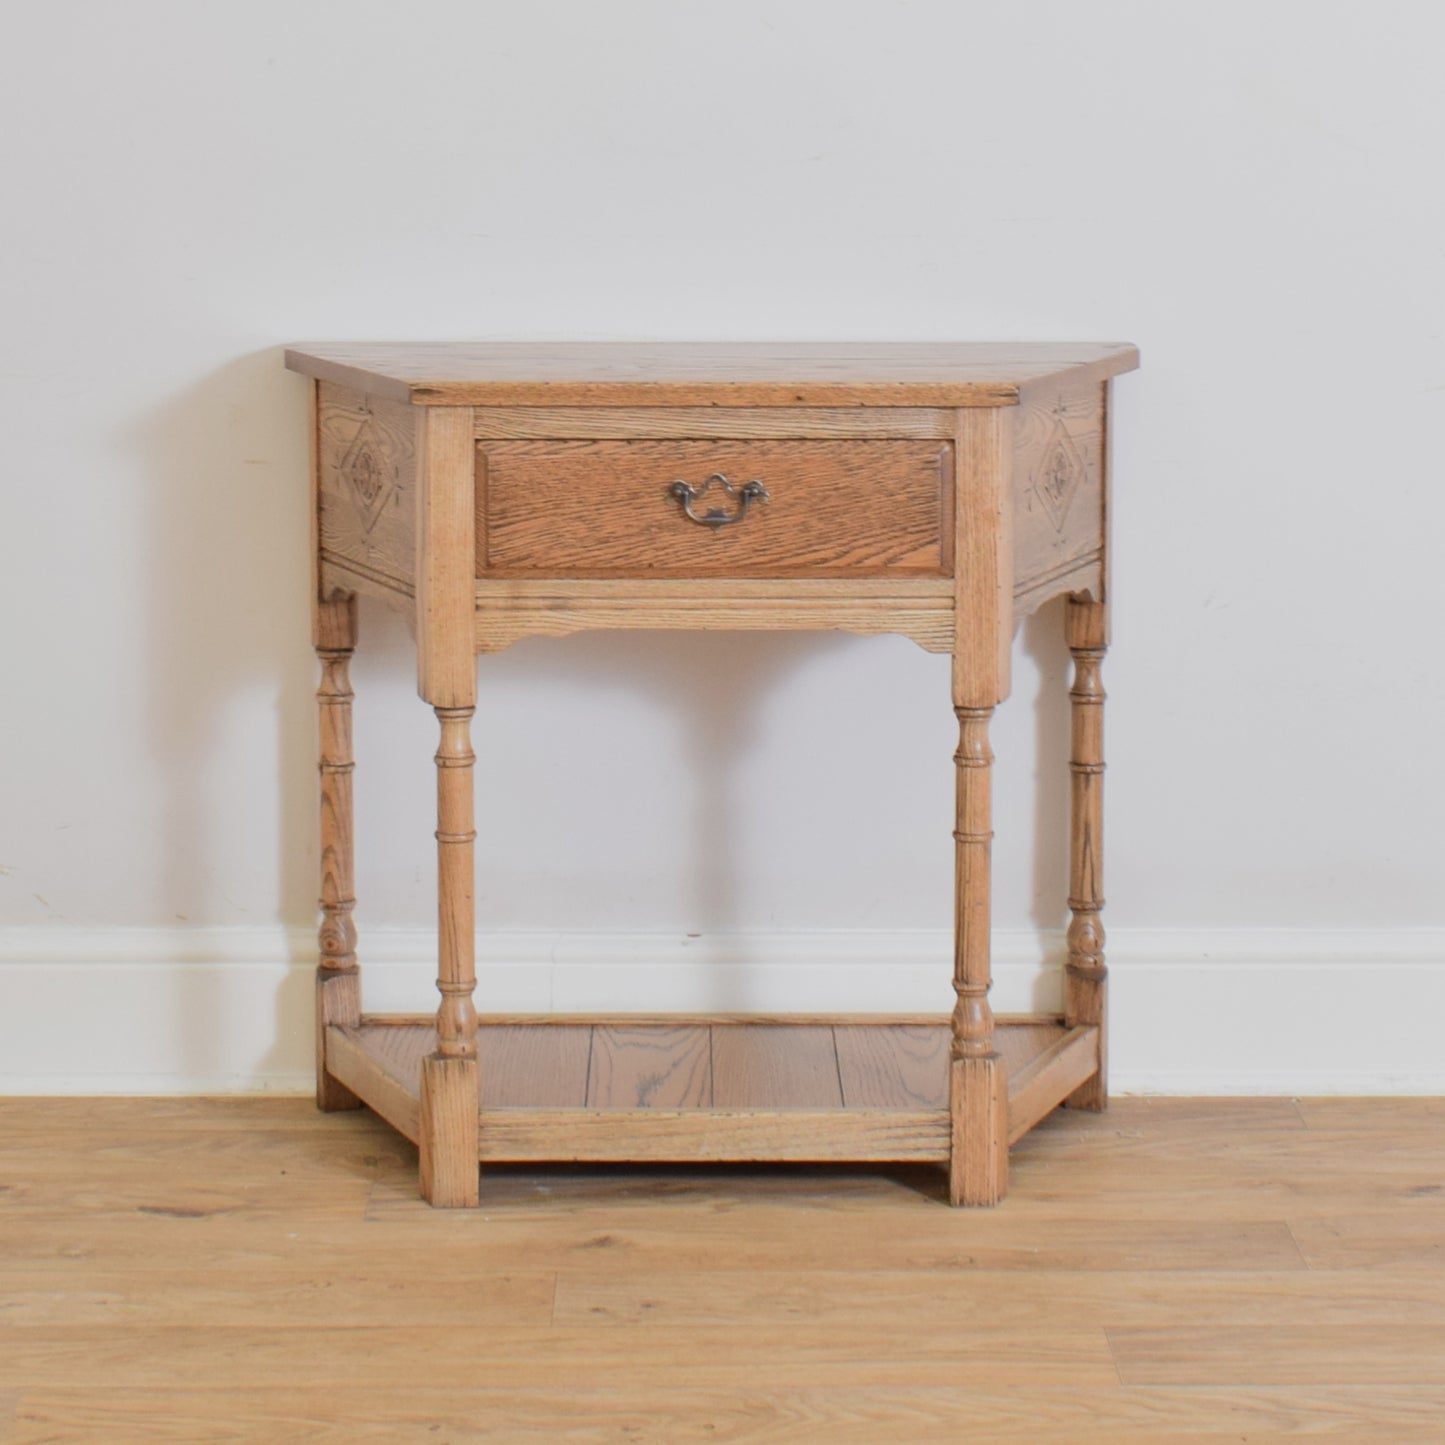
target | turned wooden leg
[
  {"x": 338, "y": 983},
  {"x": 449, "y": 1083},
  {"x": 978, "y": 1083},
  {"x": 1086, "y": 978}
]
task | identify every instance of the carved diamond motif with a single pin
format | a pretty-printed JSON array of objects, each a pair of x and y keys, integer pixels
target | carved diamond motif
[
  {"x": 368, "y": 475},
  {"x": 1061, "y": 471}
]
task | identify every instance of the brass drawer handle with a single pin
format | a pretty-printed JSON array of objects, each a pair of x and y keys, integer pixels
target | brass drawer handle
[{"x": 716, "y": 517}]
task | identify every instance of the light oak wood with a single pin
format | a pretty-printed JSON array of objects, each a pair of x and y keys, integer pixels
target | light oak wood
[
  {"x": 916, "y": 607},
  {"x": 497, "y": 492},
  {"x": 863, "y": 506},
  {"x": 192, "y": 1269},
  {"x": 983, "y": 574},
  {"x": 792, "y": 1066},
  {"x": 1086, "y": 976},
  {"x": 650, "y": 1068},
  {"x": 446, "y": 1131},
  {"x": 366, "y": 469},
  {"x": 544, "y": 423},
  {"x": 338, "y": 989},
  {"x": 1082, "y": 1414},
  {"x": 456, "y": 838},
  {"x": 739, "y": 1088},
  {"x": 822, "y": 374},
  {"x": 446, "y": 559},
  {"x": 1058, "y": 486},
  {"x": 983, "y": 597},
  {"x": 1034, "y": 1025},
  {"x": 701, "y": 1134},
  {"x": 978, "y": 1091},
  {"x": 1035, "y": 1089},
  {"x": 371, "y": 1073}
]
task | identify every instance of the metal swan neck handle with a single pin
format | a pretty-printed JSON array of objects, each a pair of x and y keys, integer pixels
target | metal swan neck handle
[{"x": 716, "y": 517}]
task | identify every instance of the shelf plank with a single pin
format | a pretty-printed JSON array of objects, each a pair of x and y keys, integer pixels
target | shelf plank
[
  {"x": 711, "y": 1087},
  {"x": 530, "y": 1066},
  {"x": 893, "y": 1066},
  {"x": 775, "y": 1066},
  {"x": 650, "y": 1068}
]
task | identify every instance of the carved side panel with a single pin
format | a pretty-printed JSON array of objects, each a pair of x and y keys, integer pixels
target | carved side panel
[
  {"x": 367, "y": 460},
  {"x": 1059, "y": 492}
]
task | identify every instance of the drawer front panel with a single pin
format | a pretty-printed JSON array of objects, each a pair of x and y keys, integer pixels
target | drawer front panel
[{"x": 608, "y": 508}]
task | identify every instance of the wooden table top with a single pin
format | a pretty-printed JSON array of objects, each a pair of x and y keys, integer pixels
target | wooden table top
[{"x": 922, "y": 374}]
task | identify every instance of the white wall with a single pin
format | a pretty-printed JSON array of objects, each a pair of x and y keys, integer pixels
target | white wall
[{"x": 1249, "y": 192}]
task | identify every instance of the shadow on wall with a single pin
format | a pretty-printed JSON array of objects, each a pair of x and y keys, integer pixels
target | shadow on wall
[
  {"x": 1042, "y": 637},
  {"x": 713, "y": 690},
  {"x": 228, "y": 576}
]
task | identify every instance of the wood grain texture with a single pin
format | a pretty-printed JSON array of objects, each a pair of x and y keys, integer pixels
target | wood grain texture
[
  {"x": 1308, "y": 1354},
  {"x": 700, "y": 1135},
  {"x": 786, "y": 1089},
  {"x": 447, "y": 1131},
  {"x": 338, "y": 986},
  {"x": 823, "y": 374},
  {"x": 177, "y": 1270},
  {"x": 907, "y": 487},
  {"x": 366, "y": 490},
  {"x": 353, "y": 1058},
  {"x": 590, "y": 423},
  {"x": 446, "y": 559},
  {"x": 978, "y": 1107},
  {"x": 920, "y": 608},
  {"x": 650, "y": 1068},
  {"x": 906, "y": 1066},
  {"x": 1027, "y": 1022},
  {"x": 775, "y": 1066},
  {"x": 1058, "y": 487},
  {"x": 983, "y": 548},
  {"x": 533, "y": 1067},
  {"x": 1003, "y": 1412},
  {"x": 977, "y": 1076},
  {"x": 1086, "y": 974},
  {"x": 983, "y": 607},
  {"x": 603, "y": 508},
  {"x": 1038, "y": 1088},
  {"x": 456, "y": 836}
]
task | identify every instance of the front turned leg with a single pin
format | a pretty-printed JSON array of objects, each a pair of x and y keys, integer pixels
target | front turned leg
[
  {"x": 1086, "y": 978},
  {"x": 338, "y": 983},
  {"x": 978, "y": 1082},
  {"x": 449, "y": 1080}
]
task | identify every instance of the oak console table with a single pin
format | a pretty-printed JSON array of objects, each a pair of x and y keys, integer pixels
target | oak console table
[{"x": 496, "y": 492}]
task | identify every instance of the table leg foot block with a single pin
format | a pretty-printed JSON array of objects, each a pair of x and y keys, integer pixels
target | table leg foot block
[{"x": 447, "y": 1140}]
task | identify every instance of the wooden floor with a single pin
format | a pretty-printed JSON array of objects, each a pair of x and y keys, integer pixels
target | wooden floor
[{"x": 1174, "y": 1270}]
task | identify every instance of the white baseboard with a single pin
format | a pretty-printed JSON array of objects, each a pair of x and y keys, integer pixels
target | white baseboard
[{"x": 228, "y": 1010}]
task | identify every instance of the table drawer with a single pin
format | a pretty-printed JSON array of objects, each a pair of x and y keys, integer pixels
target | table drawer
[{"x": 744, "y": 508}]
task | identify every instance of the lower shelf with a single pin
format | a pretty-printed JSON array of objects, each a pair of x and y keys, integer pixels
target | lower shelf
[{"x": 711, "y": 1088}]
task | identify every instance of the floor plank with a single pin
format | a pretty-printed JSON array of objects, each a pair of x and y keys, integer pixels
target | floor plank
[
  {"x": 1410, "y": 1235},
  {"x": 905, "y": 1300},
  {"x": 1403, "y": 1113},
  {"x": 312, "y": 1291},
  {"x": 1187, "y": 1354},
  {"x": 1170, "y": 1271},
  {"x": 859, "y": 1414},
  {"x": 44, "y": 1357}
]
